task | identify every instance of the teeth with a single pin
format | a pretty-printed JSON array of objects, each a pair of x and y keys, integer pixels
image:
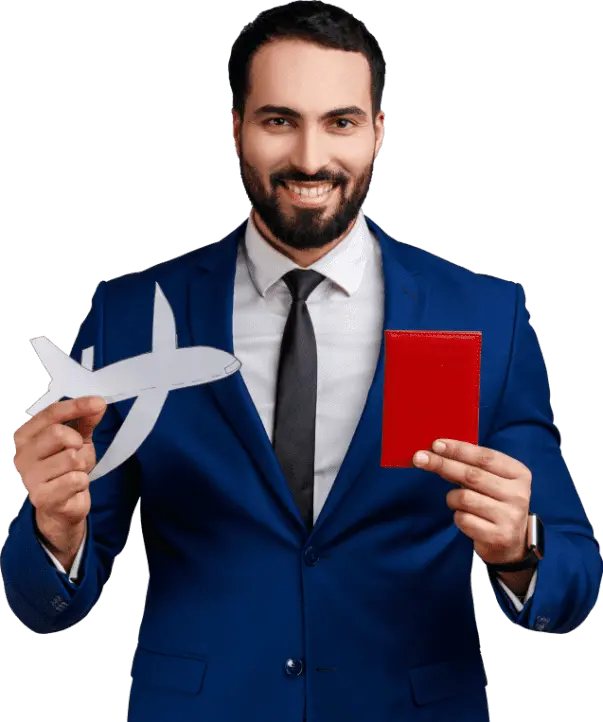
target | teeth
[{"x": 310, "y": 192}]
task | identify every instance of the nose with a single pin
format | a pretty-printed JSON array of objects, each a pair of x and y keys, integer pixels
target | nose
[{"x": 310, "y": 153}]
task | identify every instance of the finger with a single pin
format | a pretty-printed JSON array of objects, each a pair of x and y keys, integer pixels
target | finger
[
  {"x": 47, "y": 443},
  {"x": 480, "y": 505},
  {"x": 55, "y": 466},
  {"x": 53, "y": 439},
  {"x": 58, "y": 413},
  {"x": 49, "y": 497},
  {"x": 491, "y": 460},
  {"x": 472, "y": 477},
  {"x": 476, "y": 528}
]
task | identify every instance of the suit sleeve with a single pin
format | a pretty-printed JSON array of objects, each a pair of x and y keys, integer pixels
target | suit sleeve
[
  {"x": 569, "y": 575},
  {"x": 43, "y": 597}
]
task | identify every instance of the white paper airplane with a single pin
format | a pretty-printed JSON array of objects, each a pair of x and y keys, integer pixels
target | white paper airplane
[{"x": 149, "y": 376}]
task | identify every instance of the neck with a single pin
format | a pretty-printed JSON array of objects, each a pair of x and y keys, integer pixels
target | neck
[{"x": 303, "y": 258}]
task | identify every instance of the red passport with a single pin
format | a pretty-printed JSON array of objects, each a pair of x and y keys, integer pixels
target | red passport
[{"x": 431, "y": 391}]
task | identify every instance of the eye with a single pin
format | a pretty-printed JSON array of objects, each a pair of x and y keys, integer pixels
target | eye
[
  {"x": 345, "y": 120},
  {"x": 269, "y": 121},
  {"x": 272, "y": 122}
]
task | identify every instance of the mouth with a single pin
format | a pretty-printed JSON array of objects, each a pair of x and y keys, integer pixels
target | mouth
[{"x": 315, "y": 195}]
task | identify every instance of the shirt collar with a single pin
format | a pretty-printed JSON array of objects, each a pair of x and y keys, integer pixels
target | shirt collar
[{"x": 343, "y": 265}]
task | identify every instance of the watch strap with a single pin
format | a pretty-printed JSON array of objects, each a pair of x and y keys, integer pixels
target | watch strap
[{"x": 528, "y": 562}]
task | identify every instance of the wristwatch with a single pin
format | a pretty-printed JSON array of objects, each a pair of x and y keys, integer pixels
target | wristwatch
[{"x": 535, "y": 544}]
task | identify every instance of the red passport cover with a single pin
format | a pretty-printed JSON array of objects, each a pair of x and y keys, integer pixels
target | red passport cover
[{"x": 431, "y": 391}]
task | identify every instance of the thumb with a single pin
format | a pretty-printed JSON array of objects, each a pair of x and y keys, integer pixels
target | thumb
[{"x": 85, "y": 425}]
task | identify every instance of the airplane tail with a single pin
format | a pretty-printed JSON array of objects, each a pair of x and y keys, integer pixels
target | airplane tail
[{"x": 61, "y": 368}]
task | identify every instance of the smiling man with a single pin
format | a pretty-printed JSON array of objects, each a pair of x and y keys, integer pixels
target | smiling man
[{"x": 291, "y": 576}]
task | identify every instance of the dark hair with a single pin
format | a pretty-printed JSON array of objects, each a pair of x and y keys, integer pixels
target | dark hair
[{"x": 313, "y": 21}]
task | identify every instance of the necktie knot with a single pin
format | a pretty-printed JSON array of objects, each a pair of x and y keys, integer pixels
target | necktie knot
[{"x": 301, "y": 282}]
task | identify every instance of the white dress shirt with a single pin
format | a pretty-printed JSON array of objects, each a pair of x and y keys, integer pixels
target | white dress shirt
[{"x": 347, "y": 315}]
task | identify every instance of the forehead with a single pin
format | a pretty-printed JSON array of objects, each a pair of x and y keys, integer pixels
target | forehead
[{"x": 304, "y": 75}]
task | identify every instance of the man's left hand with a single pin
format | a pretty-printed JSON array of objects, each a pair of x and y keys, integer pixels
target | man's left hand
[{"x": 493, "y": 507}]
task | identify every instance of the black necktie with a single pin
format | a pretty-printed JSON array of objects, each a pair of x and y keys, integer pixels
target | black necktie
[{"x": 295, "y": 407}]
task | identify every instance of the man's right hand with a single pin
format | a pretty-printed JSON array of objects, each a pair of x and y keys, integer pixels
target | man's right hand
[{"x": 54, "y": 455}]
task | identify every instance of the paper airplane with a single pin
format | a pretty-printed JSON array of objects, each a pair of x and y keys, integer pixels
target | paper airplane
[{"x": 149, "y": 377}]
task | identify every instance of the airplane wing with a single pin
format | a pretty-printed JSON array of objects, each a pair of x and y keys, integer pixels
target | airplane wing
[
  {"x": 135, "y": 428},
  {"x": 164, "y": 325}
]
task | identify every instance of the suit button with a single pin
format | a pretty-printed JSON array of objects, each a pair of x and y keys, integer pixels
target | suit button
[
  {"x": 294, "y": 667},
  {"x": 311, "y": 556}
]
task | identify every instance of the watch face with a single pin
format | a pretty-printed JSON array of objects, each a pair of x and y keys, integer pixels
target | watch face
[{"x": 536, "y": 535}]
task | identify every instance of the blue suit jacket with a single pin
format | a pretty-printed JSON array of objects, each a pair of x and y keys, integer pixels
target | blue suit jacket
[{"x": 368, "y": 618}]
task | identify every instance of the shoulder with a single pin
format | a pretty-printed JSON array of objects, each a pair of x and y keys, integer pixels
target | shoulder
[
  {"x": 449, "y": 280},
  {"x": 172, "y": 275}
]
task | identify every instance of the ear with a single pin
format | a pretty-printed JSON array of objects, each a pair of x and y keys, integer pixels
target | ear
[
  {"x": 379, "y": 131},
  {"x": 236, "y": 130}
]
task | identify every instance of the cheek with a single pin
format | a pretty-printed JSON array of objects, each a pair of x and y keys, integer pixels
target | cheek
[
  {"x": 356, "y": 162},
  {"x": 264, "y": 149}
]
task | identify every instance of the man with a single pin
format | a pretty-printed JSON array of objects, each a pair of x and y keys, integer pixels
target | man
[{"x": 291, "y": 576}]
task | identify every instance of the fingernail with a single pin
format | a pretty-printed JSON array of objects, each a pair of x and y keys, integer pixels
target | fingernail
[
  {"x": 421, "y": 457},
  {"x": 439, "y": 446}
]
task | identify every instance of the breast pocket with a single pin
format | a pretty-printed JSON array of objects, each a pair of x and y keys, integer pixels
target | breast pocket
[
  {"x": 175, "y": 672},
  {"x": 434, "y": 682}
]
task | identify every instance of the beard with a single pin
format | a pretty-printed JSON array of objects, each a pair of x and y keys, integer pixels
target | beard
[{"x": 304, "y": 228}]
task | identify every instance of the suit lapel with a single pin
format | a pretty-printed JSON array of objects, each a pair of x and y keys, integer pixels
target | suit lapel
[{"x": 210, "y": 308}]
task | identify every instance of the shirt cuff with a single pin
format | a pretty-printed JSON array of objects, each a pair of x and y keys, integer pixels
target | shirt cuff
[
  {"x": 73, "y": 572},
  {"x": 513, "y": 597}
]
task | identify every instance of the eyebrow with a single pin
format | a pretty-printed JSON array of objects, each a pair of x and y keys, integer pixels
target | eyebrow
[{"x": 284, "y": 110}]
